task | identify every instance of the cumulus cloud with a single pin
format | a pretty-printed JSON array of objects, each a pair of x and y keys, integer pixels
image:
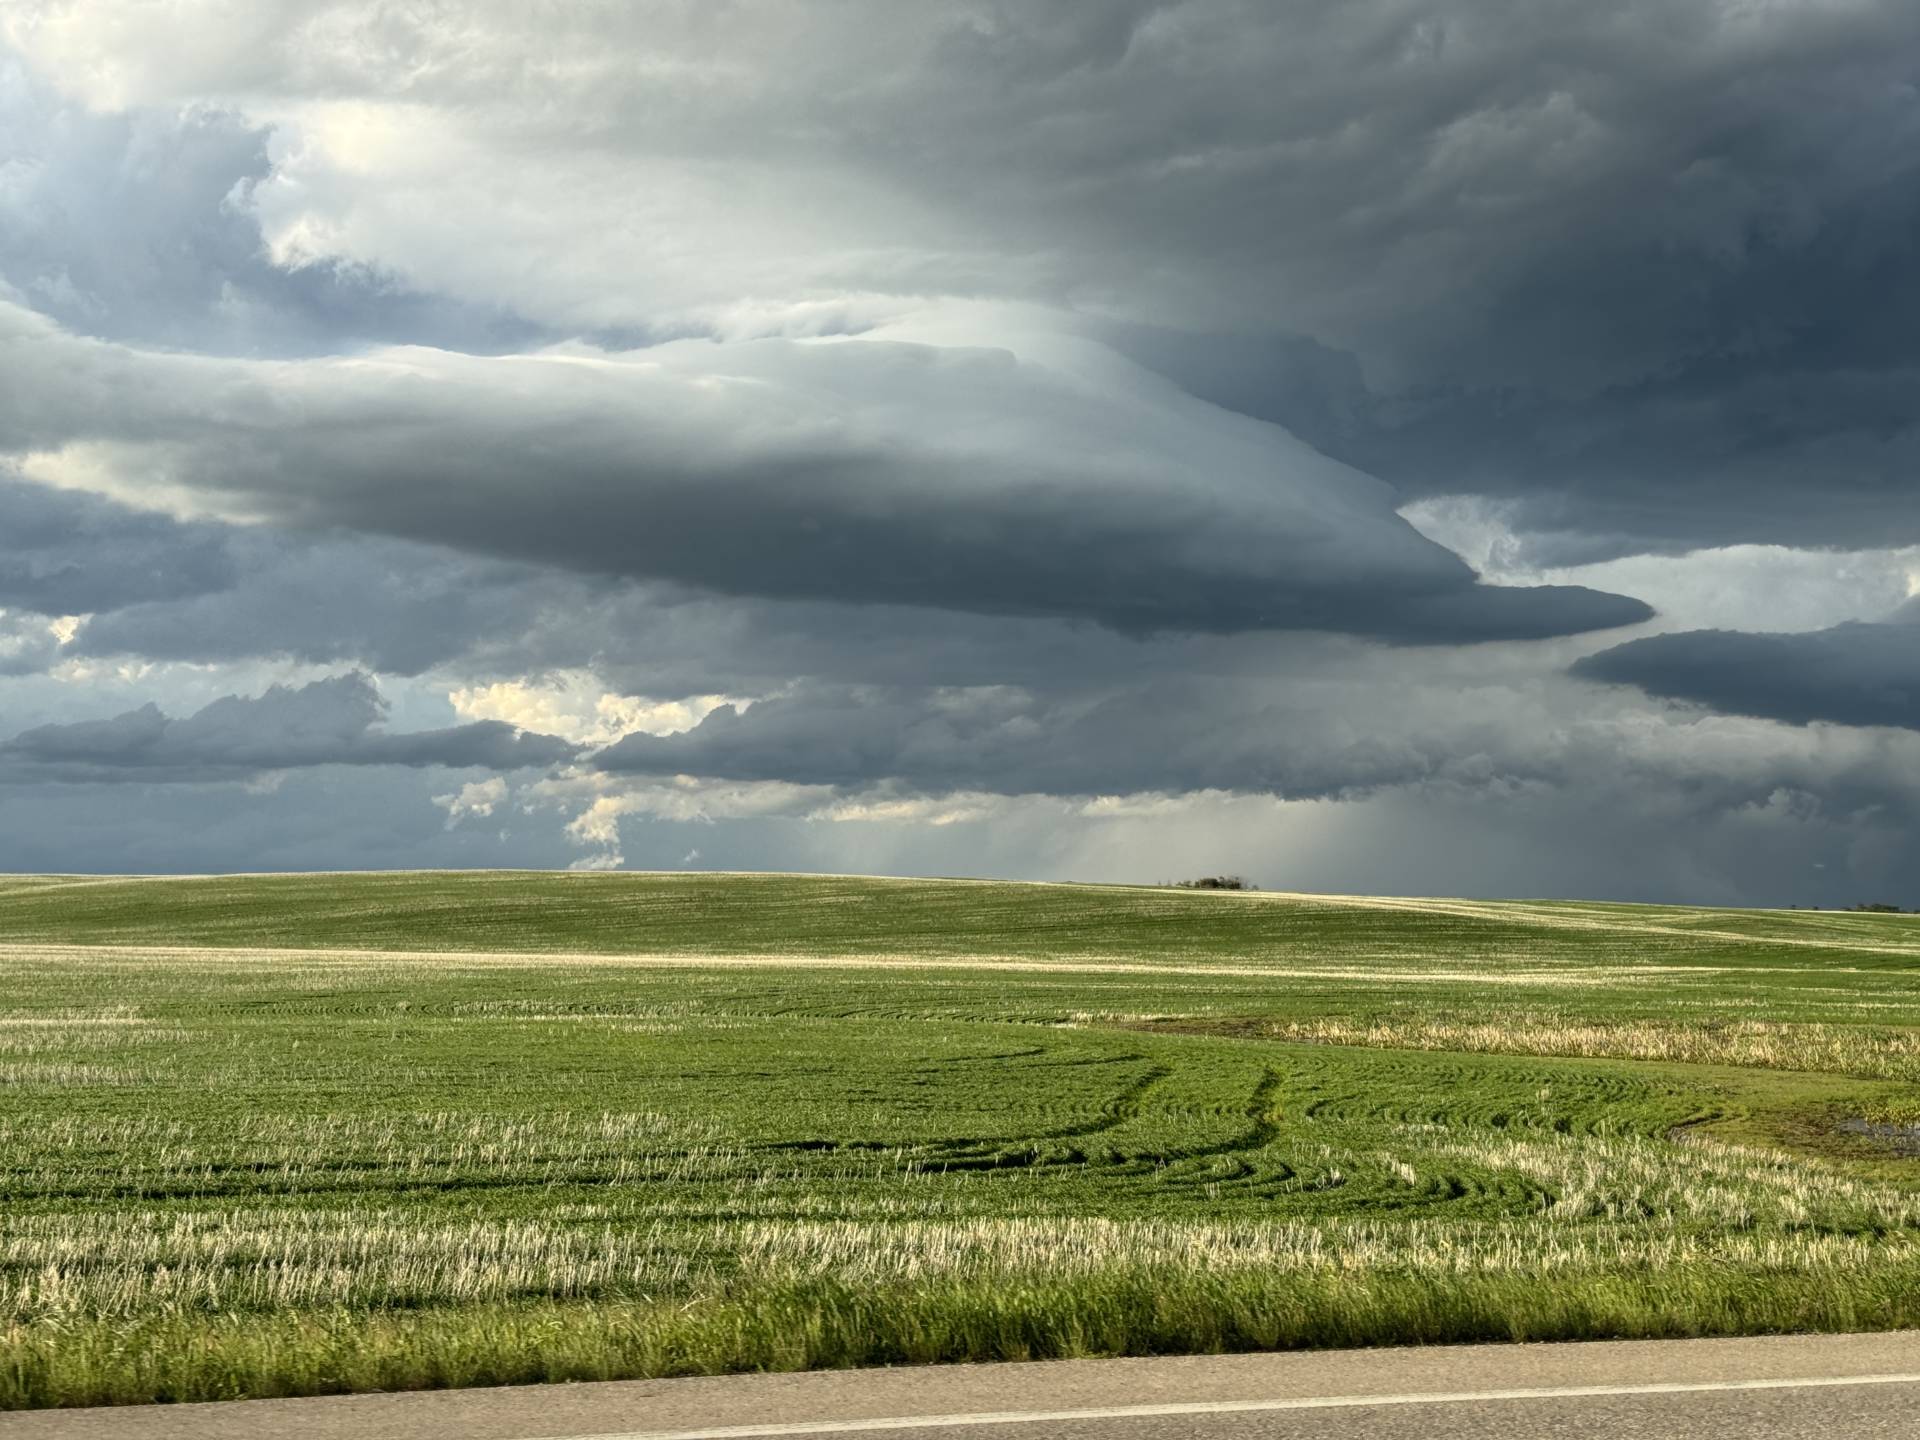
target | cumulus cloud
[
  {"x": 575, "y": 706},
  {"x": 327, "y": 722},
  {"x": 1853, "y": 674},
  {"x": 476, "y": 800},
  {"x": 31, "y": 643},
  {"x": 133, "y": 224}
]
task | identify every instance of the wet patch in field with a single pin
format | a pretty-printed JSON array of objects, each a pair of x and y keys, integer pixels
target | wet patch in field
[{"x": 1901, "y": 1139}]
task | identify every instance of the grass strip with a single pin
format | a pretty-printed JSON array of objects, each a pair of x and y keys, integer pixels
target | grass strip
[{"x": 189, "y": 1356}]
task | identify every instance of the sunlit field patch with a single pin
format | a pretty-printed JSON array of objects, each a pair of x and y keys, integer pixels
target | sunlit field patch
[{"x": 279, "y": 1135}]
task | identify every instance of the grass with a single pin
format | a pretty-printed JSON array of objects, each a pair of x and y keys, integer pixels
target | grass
[{"x": 286, "y": 1135}]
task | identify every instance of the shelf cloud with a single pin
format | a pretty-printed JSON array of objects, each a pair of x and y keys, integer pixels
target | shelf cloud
[{"x": 1075, "y": 407}]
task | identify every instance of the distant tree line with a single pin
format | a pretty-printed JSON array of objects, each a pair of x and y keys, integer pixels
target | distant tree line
[{"x": 1214, "y": 882}]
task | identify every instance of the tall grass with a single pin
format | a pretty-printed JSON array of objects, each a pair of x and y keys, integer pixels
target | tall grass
[{"x": 823, "y": 1323}]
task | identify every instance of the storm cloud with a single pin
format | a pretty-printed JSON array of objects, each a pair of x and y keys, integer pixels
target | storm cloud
[
  {"x": 1442, "y": 445},
  {"x": 75, "y": 553},
  {"x": 895, "y": 472},
  {"x": 1014, "y": 743},
  {"x": 1853, "y": 674},
  {"x": 1498, "y": 223}
]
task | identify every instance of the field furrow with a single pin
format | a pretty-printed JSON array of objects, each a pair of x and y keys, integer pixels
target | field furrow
[{"x": 296, "y": 1133}]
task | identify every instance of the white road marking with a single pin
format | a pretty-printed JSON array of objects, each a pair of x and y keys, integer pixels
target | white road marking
[{"x": 1231, "y": 1407}]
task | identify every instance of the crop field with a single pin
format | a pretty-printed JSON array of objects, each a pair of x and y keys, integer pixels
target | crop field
[{"x": 282, "y": 1135}]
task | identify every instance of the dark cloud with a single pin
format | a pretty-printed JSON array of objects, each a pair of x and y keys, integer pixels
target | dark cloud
[
  {"x": 64, "y": 553},
  {"x": 1451, "y": 191},
  {"x": 157, "y": 588},
  {"x": 328, "y": 722},
  {"x": 1167, "y": 737},
  {"x": 206, "y": 592},
  {"x": 1710, "y": 452},
  {"x": 396, "y": 607},
  {"x": 1855, "y": 674},
  {"x": 1641, "y": 270},
  {"x": 319, "y": 819},
  {"x": 1640, "y": 267},
  {"x": 977, "y": 448},
  {"x": 1473, "y": 791},
  {"x": 943, "y": 476}
]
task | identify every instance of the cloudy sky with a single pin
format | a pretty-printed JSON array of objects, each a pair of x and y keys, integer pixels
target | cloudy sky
[{"x": 1432, "y": 446}]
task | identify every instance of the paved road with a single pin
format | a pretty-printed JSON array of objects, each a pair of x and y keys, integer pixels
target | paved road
[{"x": 1846, "y": 1387}]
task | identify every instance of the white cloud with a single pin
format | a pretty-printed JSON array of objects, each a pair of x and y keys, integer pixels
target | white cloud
[
  {"x": 32, "y": 642},
  {"x": 1776, "y": 588},
  {"x": 473, "y": 801},
  {"x": 606, "y": 860},
  {"x": 964, "y": 808},
  {"x": 574, "y": 705}
]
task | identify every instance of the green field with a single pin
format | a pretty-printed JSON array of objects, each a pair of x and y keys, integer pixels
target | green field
[{"x": 302, "y": 1134}]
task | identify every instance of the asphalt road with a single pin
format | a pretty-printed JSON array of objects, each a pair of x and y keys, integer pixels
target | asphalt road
[{"x": 1844, "y": 1387}]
